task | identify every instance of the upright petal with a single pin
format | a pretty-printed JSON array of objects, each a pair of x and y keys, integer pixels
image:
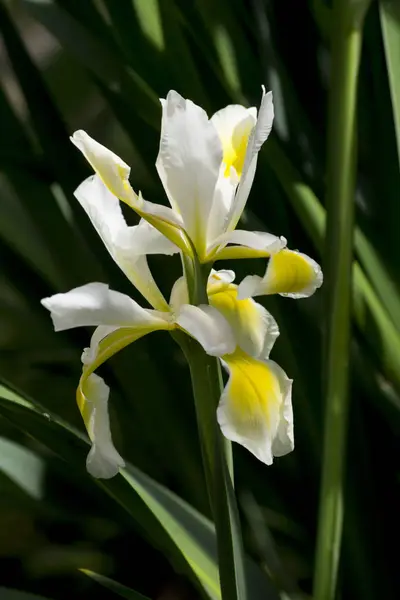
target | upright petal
[
  {"x": 255, "y": 409},
  {"x": 224, "y": 195},
  {"x": 128, "y": 246},
  {"x": 254, "y": 328},
  {"x": 209, "y": 327},
  {"x": 188, "y": 164},
  {"x": 96, "y": 304},
  {"x": 289, "y": 273},
  {"x": 234, "y": 125},
  {"x": 258, "y": 136},
  {"x": 103, "y": 460},
  {"x": 179, "y": 295},
  {"x": 113, "y": 171}
]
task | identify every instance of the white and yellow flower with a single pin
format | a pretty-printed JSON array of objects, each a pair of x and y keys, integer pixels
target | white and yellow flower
[
  {"x": 207, "y": 168},
  {"x": 119, "y": 319},
  {"x": 255, "y": 407}
]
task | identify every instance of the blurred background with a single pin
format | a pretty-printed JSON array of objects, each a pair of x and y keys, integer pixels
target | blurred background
[{"x": 101, "y": 65}]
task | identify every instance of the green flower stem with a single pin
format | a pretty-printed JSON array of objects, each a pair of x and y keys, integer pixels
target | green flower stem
[
  {"x": 346, "y": 50},
  {"x": 207, "y": 387}
]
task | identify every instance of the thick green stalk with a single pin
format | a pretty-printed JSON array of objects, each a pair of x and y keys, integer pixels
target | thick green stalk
[
  {"x": 207, "y": 387},
  {"x": 346, "y": 50},
  {"x": 205, "y": 372}
]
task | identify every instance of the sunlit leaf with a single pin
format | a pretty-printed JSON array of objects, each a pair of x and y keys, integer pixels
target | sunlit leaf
[{"x": 114, "y": 586}]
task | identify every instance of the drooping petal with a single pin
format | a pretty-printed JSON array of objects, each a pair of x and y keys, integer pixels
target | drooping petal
[
  {"x": 103, "y": 460},
  {"x": 257, "y": 137},
  {"x": 89, "y": 354},
  {"x": 96, "y": 304},
  {"x": 289, "y": 273},
  {"x": 208, "y": 326},
  {"x": 127, "y": 245},
  {"x": 252, "y": 244},
  {"x": 255, "y": 408},
  {"x": 254, "y": 328},
  {"x": 188, "y": 163}
]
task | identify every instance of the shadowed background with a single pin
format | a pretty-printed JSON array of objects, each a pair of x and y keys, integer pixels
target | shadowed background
[{"x": 101, "y": 66}]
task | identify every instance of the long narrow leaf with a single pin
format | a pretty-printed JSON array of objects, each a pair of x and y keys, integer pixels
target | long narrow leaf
[
  {"x": 184, "y": 535},
  {"x": 390, "y": 21},
  {"x": 114, "y": 586}
]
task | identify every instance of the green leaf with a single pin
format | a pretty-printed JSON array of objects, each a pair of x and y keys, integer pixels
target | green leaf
[
  {"x": 22, "y": 466},
  {"x": 66, "y": 166},
  {"x": 390, "y": 21},
  {"x": 114, "y": 586},
  {"x": 185, "y": 536},
  {"x": 105, "y": 64}
]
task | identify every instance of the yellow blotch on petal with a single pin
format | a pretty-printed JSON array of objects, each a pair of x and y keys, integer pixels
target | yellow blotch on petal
[
  {"x": 251, "y": 401},
  {"x": 234, "y": 147},
  {"x": 242, "y": 315},
  {"x": 291, "y": 272}
]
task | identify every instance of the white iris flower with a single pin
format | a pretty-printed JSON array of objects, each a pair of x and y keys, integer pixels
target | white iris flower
[{"x": 207, "y": 168}]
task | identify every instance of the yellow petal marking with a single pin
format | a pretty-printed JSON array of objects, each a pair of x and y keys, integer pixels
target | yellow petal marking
[
  {"x": 254, "y": 392},
  {"x": 242, "y": 315},
  {"x": 234, "y": 147},
  {"x": 289, "y": 273}
]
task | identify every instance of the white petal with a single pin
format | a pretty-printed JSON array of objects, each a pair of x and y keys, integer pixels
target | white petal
[
  {"x": 255, "y": 407},
  {"x": 283, "y": 442},
  {"x": 188, "y": 163},
  {"x": 257, "y": 240},
  {"x": 265, "y": 120},
  {"x": 223, "y": 276},
  {"x": 252, "y": 285},
  {"x": 103, "y": 460},
  {"x": 89, "y": 354},
  {"x": 127, "y": 245},
  {"x": 145, "y": 239},
  {"x": 113, "y": 171},
  {"x": 179, "y": 295},
  {"x": 222, "y": 205},
  {"x": 206, "y": 324},
  {"x": 228, "y": 119},
  {"x": 259, "y": 135},
  {"x": 96, "y": 304}
]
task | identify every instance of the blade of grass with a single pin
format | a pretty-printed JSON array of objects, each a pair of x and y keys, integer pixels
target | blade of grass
[
  {"x": 390, "y": 23},
  {"x": 114, "y": 586},
  {"x": 346, "y": 52}
]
